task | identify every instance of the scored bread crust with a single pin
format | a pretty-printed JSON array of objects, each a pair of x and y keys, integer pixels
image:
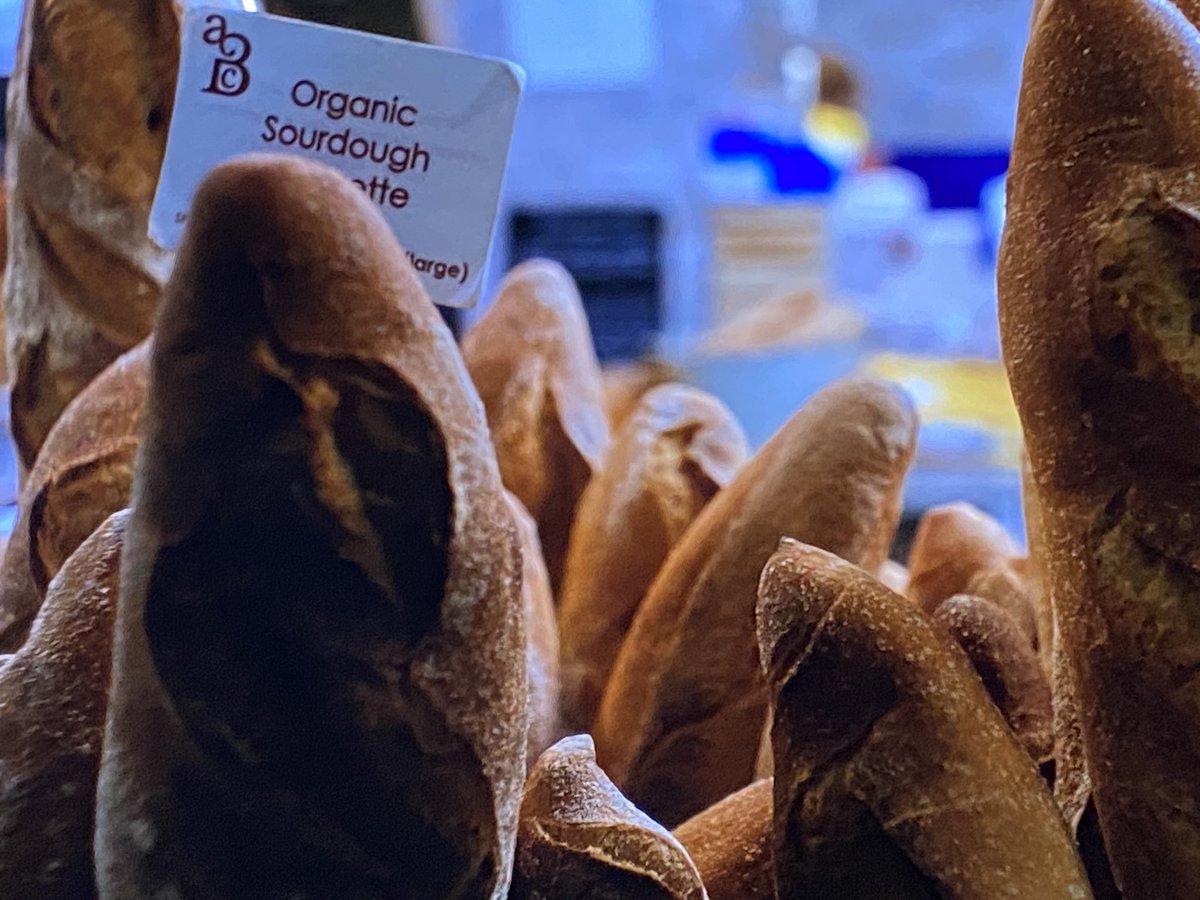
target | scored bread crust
[
  {"x": 680, "y": 718},
  {"x": 1098, "y": 301},
  {"x": 319, "y": 677},
  {"x": 90, "y": 102},
  {"x": 677, "y": 449},
  {"x": 895, "y": 775},
  {"x": 83, "y": 474},
  {"x": 730, "y": 843},
  {"x": 580, "y": 839},
  {"x": 532, "y": 360},
  {"x": 53, "y": 695}
]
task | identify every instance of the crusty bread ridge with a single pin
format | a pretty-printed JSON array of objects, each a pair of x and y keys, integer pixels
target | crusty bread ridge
[
  {"x": 319, "y": 675},
  {"x": 895, "y": 775},
  {"x": 1098, "y": 287},
  {"x": 676, "y": 450},
  {"x": 679, "y": 722}
]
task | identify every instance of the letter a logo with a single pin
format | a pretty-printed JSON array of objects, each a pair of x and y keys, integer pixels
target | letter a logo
[{"x": 230, "y": 76}]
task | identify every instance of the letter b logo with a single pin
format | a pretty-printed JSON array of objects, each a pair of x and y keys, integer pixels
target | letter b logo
[{"x": 230, "y": 76}]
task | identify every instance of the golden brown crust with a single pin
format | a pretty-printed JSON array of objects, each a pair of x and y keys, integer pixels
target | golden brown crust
[
  {"x": 1098, "y": 312},
  {"x": 83, "y": 475},
  {"x": 319, "y": 677},
  {"x": 730, "y": 843},
  {"x": 580, "y": 839},
  {"x": 676, "y": 451},
  {"x": 541, "y": 629},
  {"x": 895, "y": 775},
  {"x": 53, "y": 694},
  {"x": 85, "y": 279},
  {"x": 625, "y": 385},
  {"x": 1007, "y": 665},
  {"x": 679, "y": 721},
  {"x": 953, "y": 544},
  {"x": 531, "y": 357}
]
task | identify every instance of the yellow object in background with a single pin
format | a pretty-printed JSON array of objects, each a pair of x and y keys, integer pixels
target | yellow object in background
[
  {"x": 968, "y": 392},
  {"x": 839, "y": 133}
]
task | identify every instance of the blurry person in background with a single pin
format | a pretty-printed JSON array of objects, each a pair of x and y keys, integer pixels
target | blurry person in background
[{"x": 835, "y": 124}]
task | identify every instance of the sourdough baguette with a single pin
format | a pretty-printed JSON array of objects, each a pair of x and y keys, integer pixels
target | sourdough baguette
[
  {"x": 53, "y": 694},
  {"x": 624, "y": 386},
  {"x": 531, "y": 357},
  {"x": 541, "y": 632},
  {"x": 580, "y": 839},
  {"x": 1098, "y": 290},
  {"x": 1007, "y": 665},
  {"x": 89, "y": 106},
  {"x": 679, "y": 723},
  {"x": 730, "y": 843},
  {"x": 319, "y": 676},
  {"x": 953, "y": 544},
  {"x": 895, "y": 775},
  {"x": 83, "y": 474},
  {"x": 1013, "y": 593},
  {"x": 678, "y": 448}
]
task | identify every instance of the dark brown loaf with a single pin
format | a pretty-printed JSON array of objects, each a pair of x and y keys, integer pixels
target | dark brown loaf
[
  {"x": 730, "y": 843},
  {"x": 895, "y": 775},
  {"x": 580, "y": 839},
  {"x": 1098, "y": 311},
  {"x": 89, "y": 106},
  {"x": 83, "y": 474},
  {"x": 319, "y": 677},
  {"x": 531, "y": 357},
  {"x": 679, "y": 724},
  {"x": 678, "y": 448},
  {"x": 1007, "y": 664},
  {"x": 541, "y": 630},
  {"x": 53, "y": 694}
]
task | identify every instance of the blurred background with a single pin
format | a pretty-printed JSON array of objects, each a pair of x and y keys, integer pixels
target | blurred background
[{"x": 763, "y": 195}]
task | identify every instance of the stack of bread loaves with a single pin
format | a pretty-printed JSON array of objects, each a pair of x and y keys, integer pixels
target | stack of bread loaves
[{"x": 306, "y": 602}]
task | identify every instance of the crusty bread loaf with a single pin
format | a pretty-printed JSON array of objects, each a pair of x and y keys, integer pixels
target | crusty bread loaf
[
  {"x": 1012, "y": 592},
  {"x": 678, "y": 448},
  {"x": 679, "y": 723},
  {"x": 53, "y": 694},
  {"x": 541, "y": 630},
  {"x": 1007, "y": 664},
  {"x": 83, "y": 474},
  {"x": 953, "y": 544},
  {"x": 1098, "y": 289},
  {"x": 89, "y": 106},
  {"x": 580, "y": 839},
  {"x": 730, "y": 843},
  {"x": 532, "y": 359},
  {"x": 895, "y": 775},
  {"x": 624, "y": 387},
  {"x": 319, "y": 676}
]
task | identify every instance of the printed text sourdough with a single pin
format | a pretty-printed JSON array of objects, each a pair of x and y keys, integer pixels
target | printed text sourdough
[{"x": 397, "y": 157}]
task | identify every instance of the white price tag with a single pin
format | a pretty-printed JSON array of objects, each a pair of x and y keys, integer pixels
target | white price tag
[{"x": 424, "y": 132}]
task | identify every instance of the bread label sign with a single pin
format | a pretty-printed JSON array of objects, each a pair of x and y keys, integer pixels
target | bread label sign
[{"x": 424, "y": 132}]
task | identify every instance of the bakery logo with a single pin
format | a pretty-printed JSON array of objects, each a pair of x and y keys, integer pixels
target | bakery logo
[{"x": 230, "y": 76}]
